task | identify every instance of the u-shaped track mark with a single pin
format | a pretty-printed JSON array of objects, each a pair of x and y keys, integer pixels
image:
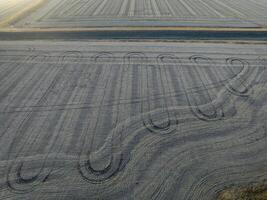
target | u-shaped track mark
[
  {"x": 105, "y": 153},
  {"x": 239, "y": 85},
  {"x": 208, "y": 112},
  {"x": 15, "y": 180},
  {"x": 121, "y": 140},
  {"x": 166, "y": 125},
  {"x": 169, "y": 124}
]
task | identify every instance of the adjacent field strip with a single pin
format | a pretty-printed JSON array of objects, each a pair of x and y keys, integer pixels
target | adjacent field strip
[
  {"x": 95, "y": 13},
  {"x": 24, "y": 9}
]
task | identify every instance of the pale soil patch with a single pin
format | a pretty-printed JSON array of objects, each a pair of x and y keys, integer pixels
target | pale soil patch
[{"x": 18, "y": 10}]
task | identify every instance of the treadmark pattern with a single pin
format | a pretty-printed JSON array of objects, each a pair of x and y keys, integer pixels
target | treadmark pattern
[{"x": 135, "y": 121}]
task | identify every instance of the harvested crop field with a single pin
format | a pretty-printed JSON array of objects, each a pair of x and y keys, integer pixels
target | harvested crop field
[
  {"x": 10, "y": 10},
  {"x": 91, "y": 13},
  {"x": 116, "y": 120},
  {"x": 10, "y": 7}
]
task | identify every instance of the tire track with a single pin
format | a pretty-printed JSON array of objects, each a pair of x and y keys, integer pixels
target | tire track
[
  {"x": 213, "y": 112},
  {"x": 240, "y": 84},
  {"x": 33, "y": 88},
  {"x": 89, "y": 157},
  {"x": 17, "y": 76},
  {"x": 165, "y": 126},
  {"x": 30, "y": 141},
  {"x": 105, "y": 146}
]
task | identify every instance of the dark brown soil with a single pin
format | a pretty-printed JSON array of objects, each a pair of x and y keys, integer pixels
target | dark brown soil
[{"x": 258, "y": 192}]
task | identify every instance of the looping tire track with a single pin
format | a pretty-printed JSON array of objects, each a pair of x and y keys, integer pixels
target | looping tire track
[
  {"x": 85, "y": 167},
  {"x": 166, "y": 126},
  {"x": 118, "y": 150},
  {"x": 120, "y": 136},
  {"x": 241, "y": 82},
  {"x": 15, "y": 181},
  {"x": 217, "y": 112}
]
